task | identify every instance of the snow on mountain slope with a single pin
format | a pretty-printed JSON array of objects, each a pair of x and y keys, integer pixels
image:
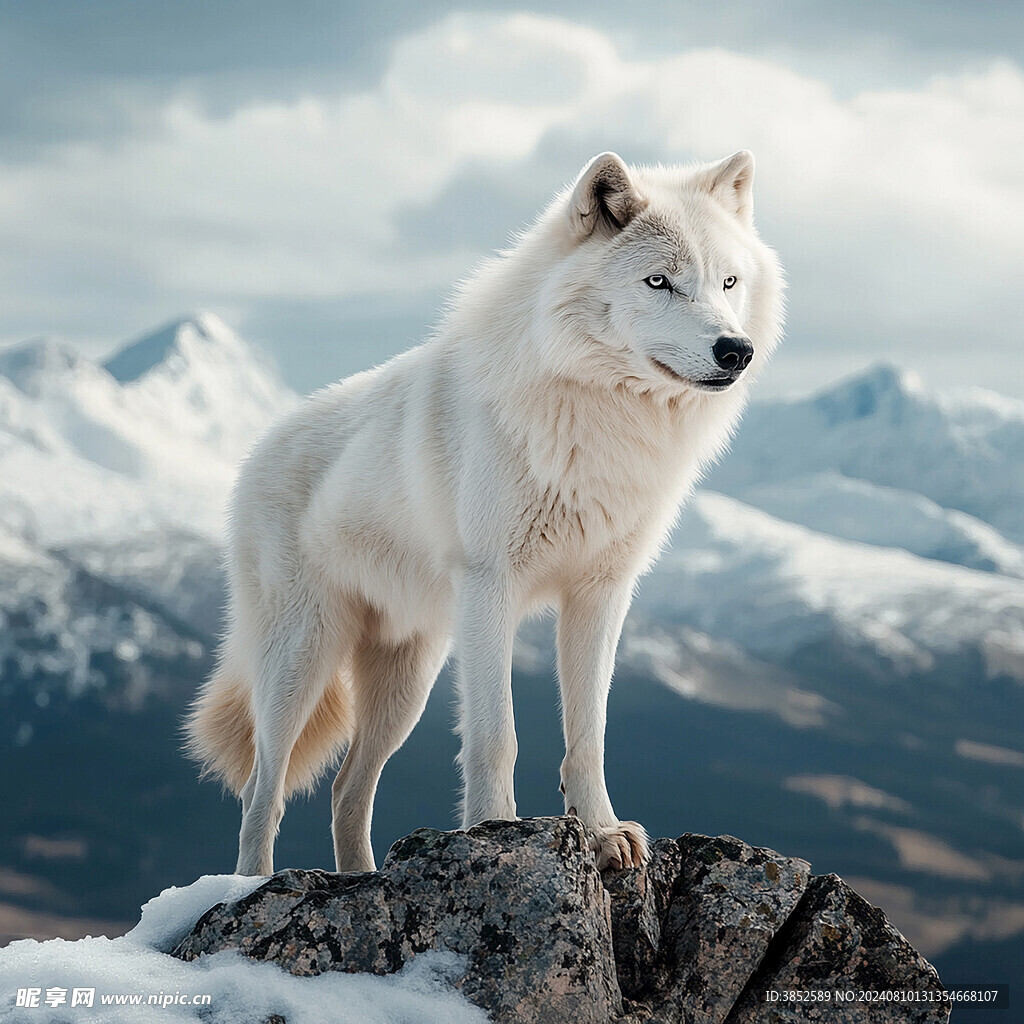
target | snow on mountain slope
[
  {"x": 773, "y": 588},
  {"x": 201, "y": 380},
  {"x": 152, "y": 439},
  {"x": 963, "y": 450},
  {"x": 857, "y": 510},
  {"x": 66, "y": 629}
]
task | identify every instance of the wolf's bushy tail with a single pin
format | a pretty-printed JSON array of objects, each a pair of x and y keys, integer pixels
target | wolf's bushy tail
[{"x": 220, "y": 726}]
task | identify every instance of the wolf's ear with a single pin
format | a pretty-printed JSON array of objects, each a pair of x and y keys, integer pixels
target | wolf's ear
[
  {"x": 604, "y": 198},
  {"x": 731, "y": 182}
]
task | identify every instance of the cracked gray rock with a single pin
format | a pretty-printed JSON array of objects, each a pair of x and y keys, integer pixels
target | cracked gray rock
[
  {"x": 725, "y": 904},
  {"x": 697, "y": 936},
  {"x": 523, "y": 901},
  {"x": 838, "y": 942}
]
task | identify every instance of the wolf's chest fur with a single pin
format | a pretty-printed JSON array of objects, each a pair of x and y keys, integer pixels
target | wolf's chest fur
[{"x": 601, "y": 482}]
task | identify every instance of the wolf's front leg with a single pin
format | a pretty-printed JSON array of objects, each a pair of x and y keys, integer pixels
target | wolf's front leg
[
  {"x": 483, "y": 643},
  {"x": 589, "y": 625}
]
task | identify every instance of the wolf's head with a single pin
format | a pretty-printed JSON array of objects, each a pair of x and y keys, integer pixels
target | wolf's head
[{"x": 663, "y": 282}]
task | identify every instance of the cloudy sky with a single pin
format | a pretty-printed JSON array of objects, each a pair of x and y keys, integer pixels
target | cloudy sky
[{"x": 320, "y": 174}]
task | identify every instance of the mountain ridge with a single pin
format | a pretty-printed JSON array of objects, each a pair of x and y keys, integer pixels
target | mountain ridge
[
  {"x": 136, "y": 358},
  {"x": 959, "y": 448},
  {"x": 85, "y": 455}
]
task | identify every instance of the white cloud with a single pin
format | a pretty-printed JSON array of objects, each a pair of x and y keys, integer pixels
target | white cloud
[{"x": 895, "y": 211}]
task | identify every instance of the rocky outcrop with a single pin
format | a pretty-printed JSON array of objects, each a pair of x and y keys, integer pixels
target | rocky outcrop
[
  {"x": 523, "y": 901},
  {"x": 700, "y": 934}
]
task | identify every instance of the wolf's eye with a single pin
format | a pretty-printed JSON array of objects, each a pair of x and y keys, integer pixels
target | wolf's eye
[
  {"x": 657, "y": 281},
  {"x": 729, "y": 282}
]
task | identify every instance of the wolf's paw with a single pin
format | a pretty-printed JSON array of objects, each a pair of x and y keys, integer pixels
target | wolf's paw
[{"x": 620, "y": 846}]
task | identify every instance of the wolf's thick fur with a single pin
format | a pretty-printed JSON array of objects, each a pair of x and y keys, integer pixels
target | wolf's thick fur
[{"x": 534, "y": 453}]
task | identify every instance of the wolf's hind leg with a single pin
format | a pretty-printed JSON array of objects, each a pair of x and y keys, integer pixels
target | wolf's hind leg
[
  {"x": 390, "y": 685},
  {"x": 296, "y": 666},
  {"x": 589, "y": 625}
]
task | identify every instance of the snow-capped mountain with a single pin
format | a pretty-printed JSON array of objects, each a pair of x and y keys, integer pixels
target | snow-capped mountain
[
  {"x": 889, "y": 517},
  {"x": 772, "y": 588},
  {"x": 113, "y": 482},
  {"x": 146, "y": 441},
  {"x": 962, "y": 450},
  {"x": 204, "y": 381}
]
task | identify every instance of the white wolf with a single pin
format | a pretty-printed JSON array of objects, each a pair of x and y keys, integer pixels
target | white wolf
[{"x": 534, "y": 453}]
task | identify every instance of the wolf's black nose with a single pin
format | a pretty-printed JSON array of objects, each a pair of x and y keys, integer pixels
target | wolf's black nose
[{"x": 733, "y": 353}]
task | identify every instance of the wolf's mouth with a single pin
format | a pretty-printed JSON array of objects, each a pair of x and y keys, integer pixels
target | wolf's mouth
[{"x": 707, "y": 384}]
